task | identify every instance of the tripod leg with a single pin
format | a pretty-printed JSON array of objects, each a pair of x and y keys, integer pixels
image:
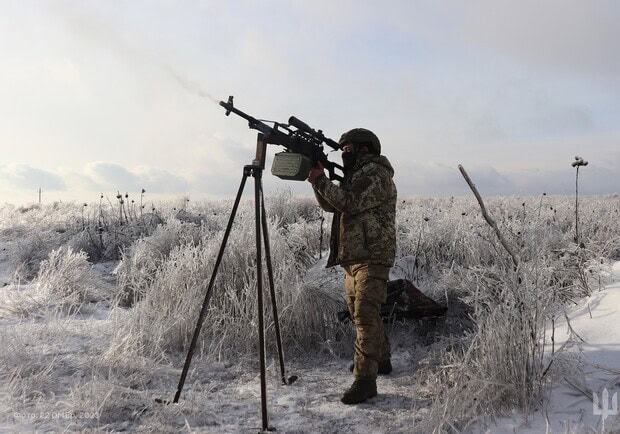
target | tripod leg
[
  {"x": 272, "y": 291},
  {"x": 205, "y": 303},
  {"x": 259, "y": 284}
]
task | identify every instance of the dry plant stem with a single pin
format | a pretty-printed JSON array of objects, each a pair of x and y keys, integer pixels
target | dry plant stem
[
  {"x": 577, "y": 206},
  {"x": 487, "y": 217},
  {"x": 579, "y": 162}
]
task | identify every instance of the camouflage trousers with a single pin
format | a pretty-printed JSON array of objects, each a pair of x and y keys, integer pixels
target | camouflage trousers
[{"x": 366, "y": 290}]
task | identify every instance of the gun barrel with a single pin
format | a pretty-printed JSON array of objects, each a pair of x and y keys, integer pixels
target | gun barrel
[
  {"x": 231, "y": 108},
  {"x": 253, "y": 122}
]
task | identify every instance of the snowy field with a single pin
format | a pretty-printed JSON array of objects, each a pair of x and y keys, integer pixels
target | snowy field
[
  {"x": 74, "y": 366},
  {"x": 571, "y": 408}
]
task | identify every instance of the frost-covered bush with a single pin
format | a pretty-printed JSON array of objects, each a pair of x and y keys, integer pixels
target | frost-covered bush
[
  {"x": 141, "y": 261},
  {"x": 56, "y": 216},
  {"x": 287, "y": 209},
  {"x": 26, "y": 373},
  {"x": 65, "y": 276},
  {"x": 31, "y": 250},
  {"x": 306, "y": 240},
  {"x": 498, "y": 363},
  {"x": 163, "y": 320}
]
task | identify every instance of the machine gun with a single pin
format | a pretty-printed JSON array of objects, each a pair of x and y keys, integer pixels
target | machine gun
[{"x": 303, "y": 145}]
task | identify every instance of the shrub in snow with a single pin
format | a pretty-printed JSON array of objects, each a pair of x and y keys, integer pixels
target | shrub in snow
[
  {"x": 287, "y": 209},
  {"x": 499, "y": 363},
  {"x": 65, "y": 275},
  {"x": 31, "y": 250},
  {"x": 142, "y": 259},
  {"x": 164, "y": 318},
  {"x": 26, "y": 372}
]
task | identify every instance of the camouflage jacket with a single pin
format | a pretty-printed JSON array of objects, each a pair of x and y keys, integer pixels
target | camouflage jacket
[{"x": 364, "y": 207}]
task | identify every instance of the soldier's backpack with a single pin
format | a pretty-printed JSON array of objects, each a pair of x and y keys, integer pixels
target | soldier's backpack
[{"x": 404, "y": 300}]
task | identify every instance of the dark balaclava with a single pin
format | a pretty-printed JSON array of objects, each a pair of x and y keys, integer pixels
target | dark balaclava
[{"x": 350, "y": 158}]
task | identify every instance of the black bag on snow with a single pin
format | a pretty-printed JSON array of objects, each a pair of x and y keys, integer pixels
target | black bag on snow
[{"x": 404, "y": 300}]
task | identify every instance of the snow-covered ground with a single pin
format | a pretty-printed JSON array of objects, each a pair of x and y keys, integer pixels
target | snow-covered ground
[
  {"x": 225, "y": 397},
  {"x": 595, "y": 324}
]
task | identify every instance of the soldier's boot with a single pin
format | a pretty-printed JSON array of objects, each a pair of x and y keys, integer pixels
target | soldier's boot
[
  {"x": 361, "y": 390},
  {"x": 384, "y": 368}
]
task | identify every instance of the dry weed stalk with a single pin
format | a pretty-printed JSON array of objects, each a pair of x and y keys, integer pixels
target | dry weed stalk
[
  {"x": 488, "y": 218},
  {"x": 579, "y": 162}
]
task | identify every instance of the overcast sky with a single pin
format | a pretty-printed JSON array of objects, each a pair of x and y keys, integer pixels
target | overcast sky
[{"x": 106, "y": 96}]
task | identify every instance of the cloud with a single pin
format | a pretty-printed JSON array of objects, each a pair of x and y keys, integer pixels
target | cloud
[
  {"x": 553, "y": 33},
  {"x": 564, "y": 119},
  {"x": 556, "y": 33},
  {"x": 494, "y": 87},
  {"x": 25, "y": 177},
  {"x": 161, "y": 181},
  {"x": 593, "y": 179},
  {"x": 111, "y": 176},
  {"x": 442, "y": 180}
]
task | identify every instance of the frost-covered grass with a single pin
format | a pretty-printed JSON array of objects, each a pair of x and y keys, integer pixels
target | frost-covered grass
[{"x": 124, "y": 340}]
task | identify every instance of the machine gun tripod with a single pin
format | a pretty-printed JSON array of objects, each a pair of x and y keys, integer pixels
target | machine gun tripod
[{"x": 254, "y": 170}]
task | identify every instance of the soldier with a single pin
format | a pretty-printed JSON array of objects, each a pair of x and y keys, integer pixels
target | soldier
[{"x": 363, "y": 243}]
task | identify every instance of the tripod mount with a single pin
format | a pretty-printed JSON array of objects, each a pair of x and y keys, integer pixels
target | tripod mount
[{"x": 254, "y": 170}]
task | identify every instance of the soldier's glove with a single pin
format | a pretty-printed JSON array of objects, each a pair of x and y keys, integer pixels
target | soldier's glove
[{"x": 315, "y": 172}]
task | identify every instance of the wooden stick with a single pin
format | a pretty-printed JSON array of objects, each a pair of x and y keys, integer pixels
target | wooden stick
[{"x": 487, "y": 217}]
